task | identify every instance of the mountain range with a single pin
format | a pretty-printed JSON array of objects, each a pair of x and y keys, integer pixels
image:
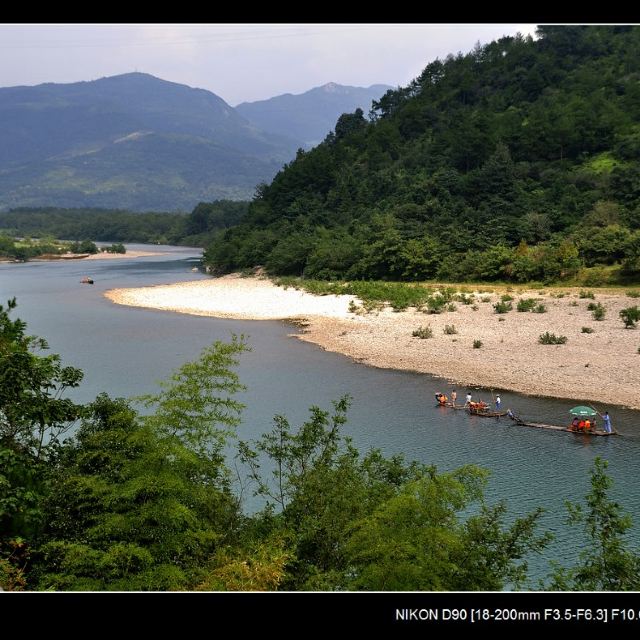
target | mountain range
[
  {"x": 135, "y": 141},
  {"x": 311, "y": 115}
]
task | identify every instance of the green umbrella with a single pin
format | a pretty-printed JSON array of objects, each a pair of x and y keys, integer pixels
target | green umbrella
[{"x": 583, "y": 411}]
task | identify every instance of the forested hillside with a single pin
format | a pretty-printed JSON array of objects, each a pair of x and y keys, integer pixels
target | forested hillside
[{"x": 517, "y": 161}]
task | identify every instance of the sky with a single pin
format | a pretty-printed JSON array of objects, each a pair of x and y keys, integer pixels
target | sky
[{"x": 238, "y": 62}]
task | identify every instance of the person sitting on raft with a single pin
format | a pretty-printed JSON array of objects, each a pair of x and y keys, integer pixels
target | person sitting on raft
[
  {"x": 513, "y": 416},
  {"x": 442, "y": 399}
]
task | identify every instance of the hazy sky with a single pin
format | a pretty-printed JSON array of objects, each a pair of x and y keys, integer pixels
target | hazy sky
[{"x": 238, "y": 62}]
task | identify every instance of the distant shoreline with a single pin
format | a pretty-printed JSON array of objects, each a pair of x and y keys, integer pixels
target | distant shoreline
[
  {"x": 102, "y": 255},
  {"x": 601, "y": 367}
]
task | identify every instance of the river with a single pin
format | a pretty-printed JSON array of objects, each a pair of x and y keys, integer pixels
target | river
[{"x": 125, "y": 351}]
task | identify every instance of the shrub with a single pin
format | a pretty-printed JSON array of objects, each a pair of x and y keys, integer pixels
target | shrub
[
  {"x": 435, "y": 303},
  {"x": 634, "y": 293},
  {"x": 587, "y": 330},
  {"x": 485, "y": 299},
  {"x": 630, "y": 316},
  {"x": 598, "y": 311},
  {"x": 551, "y": 338},
  {"x": 451, "y": 307},
  {"x": 506, "y": 298},
  {"x": 423, "y": 332},
  {"x": 573, "y": 303},
  {"x": 502, "y": 307},
  {"x": 596, "y": 277},
  {"x": 115, "y": 248},
  {"x": 86, "y": 246},
  {"x": 587, "y": 294},
  {"x": 450, "y": 329},
  {"x": 526, "y": 304},
  {"x": 464, "y": 298},
  {"x": 475, "y": 307},
  {"x": 478, "y": 343},
  {"x": 539, "y": 308}
]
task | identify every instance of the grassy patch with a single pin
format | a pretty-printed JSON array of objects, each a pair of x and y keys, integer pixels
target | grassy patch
[{"x": 602, "y": 163}]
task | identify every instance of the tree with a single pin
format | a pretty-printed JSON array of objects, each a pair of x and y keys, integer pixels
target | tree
[
  {"x": 372, "y": 522},
  {"x": 631, "y": 262},
  {"x": 144, "y": 502},
  {"x": 131, "y": 509},
  {"x": 33, "y": 416},
  {"x": 318, "y": 486},
  {"x": 86, "y": 246},
  {"x": 606, "y": 563},
  {"x": 349, "y": 123},
  {"x": 196, "y": 404},
  {"x": 33, "y": 412},
  {"x": 416, "y": 540}
]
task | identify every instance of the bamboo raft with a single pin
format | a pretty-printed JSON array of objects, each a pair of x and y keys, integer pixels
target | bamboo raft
[
  {"x": 553, "y": 427},
  {"x": 474, "y": 412},
  {"x": 522, "y": 423},
  {"x": 487, "y": 414}
]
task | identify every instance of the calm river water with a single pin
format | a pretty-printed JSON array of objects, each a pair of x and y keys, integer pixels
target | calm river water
[{"x": 125, "y": 351}]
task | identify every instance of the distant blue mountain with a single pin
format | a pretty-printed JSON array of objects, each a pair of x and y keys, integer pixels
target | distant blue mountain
[
  {"x": 131, "y": 141},
  {"x": 311, "y": 115}
]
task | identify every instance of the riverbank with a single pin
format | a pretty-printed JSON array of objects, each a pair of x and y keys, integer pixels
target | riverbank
[
  {"x": 600, "y": 366},
  {"x": 103, "y": 255}
]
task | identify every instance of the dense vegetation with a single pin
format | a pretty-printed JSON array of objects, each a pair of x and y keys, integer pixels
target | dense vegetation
[
  {"x": 146, "y": 501},
  {"x": 194, "y": 229},
  {"x": 516, "y": 162},
  {"x": 47, "y": 247}
]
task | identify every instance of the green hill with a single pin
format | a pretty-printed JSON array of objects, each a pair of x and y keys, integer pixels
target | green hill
[{"x": 517, "y": 161}]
